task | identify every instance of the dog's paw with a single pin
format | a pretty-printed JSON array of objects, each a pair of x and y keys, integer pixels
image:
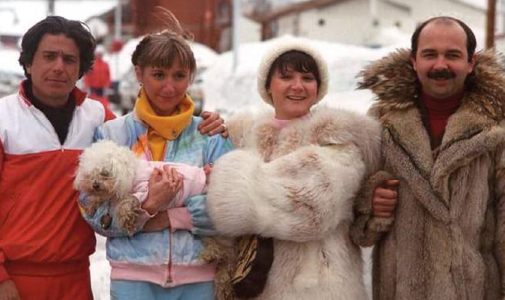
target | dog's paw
[
  {"x": 90, "y": 211},
  {"x": 127, "y": 214},
  {"x": 93, "y": 202}
]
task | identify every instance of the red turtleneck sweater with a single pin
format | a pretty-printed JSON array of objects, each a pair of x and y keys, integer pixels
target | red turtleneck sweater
[{"x": 438, "y": 112}]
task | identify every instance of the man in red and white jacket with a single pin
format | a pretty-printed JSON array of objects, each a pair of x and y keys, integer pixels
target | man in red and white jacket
[{"x": 44, "y": 242}]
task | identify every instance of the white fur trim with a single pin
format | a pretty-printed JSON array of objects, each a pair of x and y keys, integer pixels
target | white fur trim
[{"x": 282, "y": 46}]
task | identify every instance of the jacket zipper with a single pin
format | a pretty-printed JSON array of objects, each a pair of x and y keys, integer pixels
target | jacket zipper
[{"x": 170, "y": 279}]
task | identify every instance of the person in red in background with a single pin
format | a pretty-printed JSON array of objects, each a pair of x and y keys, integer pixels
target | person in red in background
[{"x": 97, "y": 80}]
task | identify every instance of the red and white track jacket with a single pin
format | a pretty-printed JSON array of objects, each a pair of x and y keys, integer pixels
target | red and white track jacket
[{"x": 41, "y": 229}]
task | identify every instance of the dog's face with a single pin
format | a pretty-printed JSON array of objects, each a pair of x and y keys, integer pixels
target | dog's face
[
  {"x": 100, "y": 182},
  {"x": 106, "y": 169}
]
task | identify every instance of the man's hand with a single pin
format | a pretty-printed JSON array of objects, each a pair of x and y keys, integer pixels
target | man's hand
[
  {"x": 163, "y": 186},
  {"x": 385, "y": 199},
  {"x": 8, "y": 291},
  {"x": 212, "y": 124}
]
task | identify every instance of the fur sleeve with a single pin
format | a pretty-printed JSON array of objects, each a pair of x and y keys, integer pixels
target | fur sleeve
[
  {"x": 241, "y": 125},
  {"x": 299, "y": 197}
]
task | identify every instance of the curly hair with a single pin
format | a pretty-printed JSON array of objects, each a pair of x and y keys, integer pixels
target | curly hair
[{"x": 54, "y": 25}]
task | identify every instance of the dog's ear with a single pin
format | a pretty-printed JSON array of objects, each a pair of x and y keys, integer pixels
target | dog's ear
[
  {"x": 123, "y": 166},
  {"x": 87, "y": 161},
  {"x": 77, "y": 186},
  {"x": 78, "y": 175}
]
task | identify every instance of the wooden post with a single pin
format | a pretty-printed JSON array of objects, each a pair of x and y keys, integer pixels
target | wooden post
[
  {"x": 491, "y": 13},
  {"x": 50, "y": 7}
]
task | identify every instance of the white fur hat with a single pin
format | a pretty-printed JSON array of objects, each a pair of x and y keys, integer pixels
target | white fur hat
[{"x": 282, "y": 46}]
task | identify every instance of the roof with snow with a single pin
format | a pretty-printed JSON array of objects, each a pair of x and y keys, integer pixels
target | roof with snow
[{"x": 277, "y": 8}]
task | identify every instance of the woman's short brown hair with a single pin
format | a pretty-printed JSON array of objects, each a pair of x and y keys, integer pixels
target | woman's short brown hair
[{"x": 161, "y": 50}]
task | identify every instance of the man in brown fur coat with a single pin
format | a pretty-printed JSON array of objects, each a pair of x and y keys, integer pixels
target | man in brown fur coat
[{"x": 442, "y": 113}]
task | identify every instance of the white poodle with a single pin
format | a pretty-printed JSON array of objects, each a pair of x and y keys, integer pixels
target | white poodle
[{"x": 113, "y": 174}]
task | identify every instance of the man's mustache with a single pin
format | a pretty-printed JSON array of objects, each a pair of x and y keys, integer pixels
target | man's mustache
[{"x": 443, "y": 74}]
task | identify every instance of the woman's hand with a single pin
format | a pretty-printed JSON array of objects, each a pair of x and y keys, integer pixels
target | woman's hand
[
  {"x": 212, "y": 124},
  {"x": 163, "y": 186},
  {"x": 158, "y": 222},
  {"x": 207, "y": 169},
  {"x": 385, "y": 199}
]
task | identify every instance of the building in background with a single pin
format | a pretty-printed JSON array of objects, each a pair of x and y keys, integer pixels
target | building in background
[
  {"x": 210, "y": 21},
  {"x": 355, "y": 22}
]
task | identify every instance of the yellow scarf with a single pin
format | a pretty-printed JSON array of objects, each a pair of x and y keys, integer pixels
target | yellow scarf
[{"x": 163, "y": 128}]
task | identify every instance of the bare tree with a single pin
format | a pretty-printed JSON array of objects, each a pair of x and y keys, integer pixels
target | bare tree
[{"x": 490, "y": 24}]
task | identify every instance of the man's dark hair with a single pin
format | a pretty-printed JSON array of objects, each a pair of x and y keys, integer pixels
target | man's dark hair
[
  {"x": 471, "y": 42},
  {"x": 55, "y": 25}
]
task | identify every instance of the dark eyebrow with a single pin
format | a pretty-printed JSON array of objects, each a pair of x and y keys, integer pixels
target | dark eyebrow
[
  {"x": 455, "y": 51},
  {"x": 57, "y": 52},
  {"x": 428, "y": 51},
  {"x": 451, "y": 51}
]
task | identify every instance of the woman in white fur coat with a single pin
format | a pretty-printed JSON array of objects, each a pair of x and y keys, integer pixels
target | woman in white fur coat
[{"x": 294, "y": 178}]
